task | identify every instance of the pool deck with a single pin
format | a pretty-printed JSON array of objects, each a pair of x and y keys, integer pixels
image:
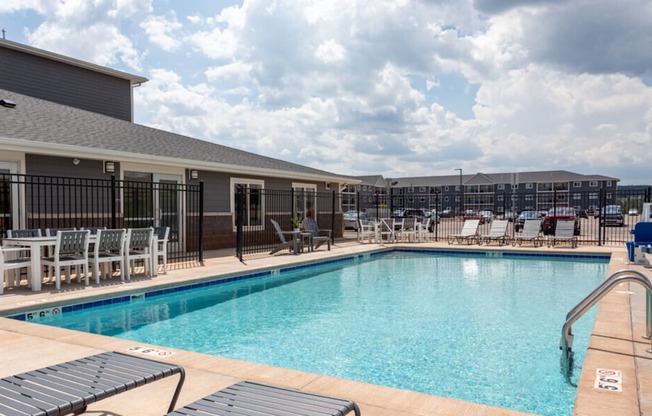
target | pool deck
[{"x": 616, "y": 344}]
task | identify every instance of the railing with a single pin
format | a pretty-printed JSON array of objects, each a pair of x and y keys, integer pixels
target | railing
[
  {"x": 594, "y": 297},
  {"x": 37, "y": 201},
  {"x": 593, "y": 229}
]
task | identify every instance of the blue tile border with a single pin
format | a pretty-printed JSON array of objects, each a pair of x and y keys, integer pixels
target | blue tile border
[{"x": 349, "y": 259}]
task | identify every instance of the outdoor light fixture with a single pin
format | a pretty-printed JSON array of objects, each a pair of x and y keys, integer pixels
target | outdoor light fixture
[
  {"x": 76, "y": 161},
  {"x": 194, "y": 174},
  {"x": 109, "y": 166}
]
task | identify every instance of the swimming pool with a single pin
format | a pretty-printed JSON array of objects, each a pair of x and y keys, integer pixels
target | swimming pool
[{"x": 470, "y": 327}]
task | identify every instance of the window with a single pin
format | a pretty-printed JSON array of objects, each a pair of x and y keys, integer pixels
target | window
[
  {"x": 593, "y": 184},
  {"x": 254, "y": 209},
  {"x": 609, "y": 183},
  {"x": 501, "y": 187},
  {"x": 410, "y": 189},
  {"x": 529, "y": 186},
  {"x": 515, "y": 186},
  {"x": 305, "y": 198},
  {"x": 593, "y": 195},
  {"x": 422, "y": 189},
  {"x": 577, "y": 184},
  {"x": 577, "y": 197},
  {"x": 446, "y": 188},
  {"x": 529, "y": 197}
]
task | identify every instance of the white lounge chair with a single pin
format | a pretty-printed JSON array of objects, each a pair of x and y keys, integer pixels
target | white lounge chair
[
  {"x": 564, "y": 233},
  {"x": 531, "y": 232},
  {"x": 469, "y": 233},
  {"x": 497, "y": 232}
]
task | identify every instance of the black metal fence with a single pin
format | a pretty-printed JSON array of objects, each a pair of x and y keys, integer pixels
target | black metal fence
[
  {"x": 593, "y": 229},
  {"x": 256, "y": 207},
  {"x": 34, "y": 201}
]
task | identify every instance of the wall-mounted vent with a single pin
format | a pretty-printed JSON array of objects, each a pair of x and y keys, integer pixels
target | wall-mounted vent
[{"x": 7, "y": 103}]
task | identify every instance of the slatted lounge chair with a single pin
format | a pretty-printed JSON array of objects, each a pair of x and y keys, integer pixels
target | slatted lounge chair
[
  {"x": 292, "y": 245},
  {"x": 68, "y": 388},
  {"x": 17, "y": 261},
  {"x": 497, "y": 233},
  {"x": 531, "y": 233},
  {"x": 248, "y": 398},
  {"x": 564, "y": 233},
  {"x": 319, "y": 237},
  {"x": 469, "y": 233}
]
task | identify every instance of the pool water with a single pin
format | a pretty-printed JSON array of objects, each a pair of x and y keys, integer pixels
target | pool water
[{"x": 478, "y": 329}]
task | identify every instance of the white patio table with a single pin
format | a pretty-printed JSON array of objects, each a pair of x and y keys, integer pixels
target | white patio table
[{"x": 36, "y": 245}]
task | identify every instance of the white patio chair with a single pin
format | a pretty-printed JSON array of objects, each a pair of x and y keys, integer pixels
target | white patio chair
[
  {"x": 109, "y": 248},
  {"x": 163, "y": 235},
  {"x": 386, "y": 230},
  {"x": 139, "y": 247},
  {"x": 71, "y": 249},
  {"x": 17, "y": 262},
  {"x": 366, "y": 230},
  {"x": 408, "y": 231}
]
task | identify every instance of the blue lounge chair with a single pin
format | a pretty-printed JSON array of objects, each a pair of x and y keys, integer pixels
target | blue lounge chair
[{"x": 642, "y": 243}]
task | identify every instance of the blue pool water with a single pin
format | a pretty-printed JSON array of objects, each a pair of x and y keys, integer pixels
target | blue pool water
[{"x": 479, "y": 329}]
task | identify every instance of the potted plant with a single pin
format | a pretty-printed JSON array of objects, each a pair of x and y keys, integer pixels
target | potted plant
[{"x": 296, "y": 223}]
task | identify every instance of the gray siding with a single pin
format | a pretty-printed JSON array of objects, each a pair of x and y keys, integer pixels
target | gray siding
[{"x": 65, "y": 84}]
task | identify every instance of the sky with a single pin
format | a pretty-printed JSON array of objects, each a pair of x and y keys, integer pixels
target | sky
[{"x": 397, "y": 88}]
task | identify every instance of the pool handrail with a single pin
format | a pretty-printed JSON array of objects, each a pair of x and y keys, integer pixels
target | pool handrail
[{"x": 588, "y": 302}]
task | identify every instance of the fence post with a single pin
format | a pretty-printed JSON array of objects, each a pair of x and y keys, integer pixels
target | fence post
[
  {"x": 333, "y": 218},
  {"x": 602, "y": 230},
  {"x": 201, "y": 221},
  {"x": 239, "y": 236},
  {"x": 114, "y": 216}
]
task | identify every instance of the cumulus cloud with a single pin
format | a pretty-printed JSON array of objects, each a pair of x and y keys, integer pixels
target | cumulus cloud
[{"x": 360, "y": 87}]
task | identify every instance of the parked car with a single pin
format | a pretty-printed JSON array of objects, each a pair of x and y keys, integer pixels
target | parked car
[
  {"x": 351, "y": 219},
  {"x": 581, "y": 213},
  {"x": 525, "y": 215},
  {"x": 433, "y": 215},
  {"x": 469, "y": 214},
  {"x": 633, "y": 211},
  {"x": 447, "y": 213},
  {"x": 487, "y": 215},
  {"x": 559, "y": 213},
  {"x": 409, "y": 213},
  {"x": 592, "y": 211},
  {"x": 613, "y": 215},
  {"x": 511, "y": 216}
]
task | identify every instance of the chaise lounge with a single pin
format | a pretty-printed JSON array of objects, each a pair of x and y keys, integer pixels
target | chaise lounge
[
  {"x": 249, "y": 398},
  {"x": 68, "y": 388},
  {"x": 469, "y": 233}
]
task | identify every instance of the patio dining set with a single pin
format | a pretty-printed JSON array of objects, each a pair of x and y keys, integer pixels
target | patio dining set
[{"x": 80, "y": 253}]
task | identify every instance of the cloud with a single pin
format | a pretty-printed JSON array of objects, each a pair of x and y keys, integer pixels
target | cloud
[{"x": 162, "y": 32}]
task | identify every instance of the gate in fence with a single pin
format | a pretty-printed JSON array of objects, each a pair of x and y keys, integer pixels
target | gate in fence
[{"x": 34, "y": 201}]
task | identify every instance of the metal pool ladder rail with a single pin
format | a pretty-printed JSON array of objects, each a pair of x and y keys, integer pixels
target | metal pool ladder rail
[{"x": 615, "y": 279}]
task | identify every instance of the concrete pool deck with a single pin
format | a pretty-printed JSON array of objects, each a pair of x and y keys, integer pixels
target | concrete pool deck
[{"x": 616, "y": 344}]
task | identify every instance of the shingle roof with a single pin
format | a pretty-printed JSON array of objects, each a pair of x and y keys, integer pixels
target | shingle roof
[
  {"x": 35, "y": 121},
  {"x": 498, "y": 178}
]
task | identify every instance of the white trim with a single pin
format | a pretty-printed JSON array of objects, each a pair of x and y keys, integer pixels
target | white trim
[{"x": 248, "y": 181}]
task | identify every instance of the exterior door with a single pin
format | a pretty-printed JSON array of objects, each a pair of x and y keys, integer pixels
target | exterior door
[
  {"x": 167, "y": 205},
  {"x": 9, "y": 197}
]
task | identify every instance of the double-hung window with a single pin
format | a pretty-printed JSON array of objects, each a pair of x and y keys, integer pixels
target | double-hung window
[{"x": 254, "y": 203}]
